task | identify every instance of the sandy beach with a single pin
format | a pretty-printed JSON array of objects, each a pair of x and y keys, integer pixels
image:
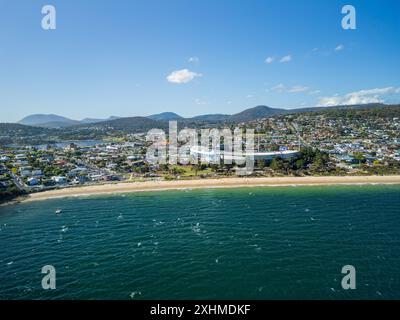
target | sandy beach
[{"x": 235, "y": 182}]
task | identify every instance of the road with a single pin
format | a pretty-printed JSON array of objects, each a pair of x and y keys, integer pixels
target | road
[{"x": 18, "y": 182}]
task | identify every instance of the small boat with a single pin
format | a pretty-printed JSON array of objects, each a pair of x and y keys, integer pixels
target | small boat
[{"x": 58, "y": 211}]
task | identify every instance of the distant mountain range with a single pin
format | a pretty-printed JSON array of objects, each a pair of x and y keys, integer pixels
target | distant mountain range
[
  {"x": 211, "y": 117},
  {"x": 137, "y": 124},
  {"x": 42, "y": 129},
  {"x": 165, "y": 116},
  {"x": 56, "y": 121},
  {"x": 259, "y": 112}
]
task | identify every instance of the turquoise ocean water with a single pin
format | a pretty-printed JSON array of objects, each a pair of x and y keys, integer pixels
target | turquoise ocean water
[{"x": 250, "y": 243}]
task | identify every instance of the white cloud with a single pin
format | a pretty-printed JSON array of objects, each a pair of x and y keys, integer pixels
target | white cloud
[
  {"x": 315, "y": 92},
  {"x": 269, "y": 60},
  {"x": 297, "y": 89},
  {"x": 194, "y": 59},
  {"x": 279, "y": 88},
  {"x": 329, "y": 101},
  {"x": 340, "y": 47},
  {"x": 376, "y": 95},
  {"x": 183, "y": 76},
  {"x": 200, "y": 102},
  {"x": 286, "y": 58},
  {"x": 379, "y": 91}
]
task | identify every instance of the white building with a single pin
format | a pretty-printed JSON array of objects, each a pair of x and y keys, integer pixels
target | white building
[
  {"x": 37, "y": 173},
  {"x": 213, "y": 156},
  {"x": 33, "y": 182},
  {"x": 25, "y": 173},
  {"x": 59, "y": 179}
]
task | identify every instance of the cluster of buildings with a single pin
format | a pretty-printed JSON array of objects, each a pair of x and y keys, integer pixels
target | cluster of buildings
[
  {"x": 349, "y": 142},
  {"x": 4, "y": 179},
  {"x": 32, "y": 168}
]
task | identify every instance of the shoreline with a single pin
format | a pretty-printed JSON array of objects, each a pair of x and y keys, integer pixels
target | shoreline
[{"x": 235, "y": 182}]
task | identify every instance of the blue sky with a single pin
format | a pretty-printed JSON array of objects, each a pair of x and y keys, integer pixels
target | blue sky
[{"x": 119, "y": 57}]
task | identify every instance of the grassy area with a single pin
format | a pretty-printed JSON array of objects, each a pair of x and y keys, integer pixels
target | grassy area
[{"x": 189, "y": 171}]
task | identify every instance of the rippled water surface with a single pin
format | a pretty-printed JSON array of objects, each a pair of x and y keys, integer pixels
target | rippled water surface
[{"x": 250, "y": 243}]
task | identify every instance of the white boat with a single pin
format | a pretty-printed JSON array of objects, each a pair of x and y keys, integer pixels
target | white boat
[{"x": 58, "y": 211}]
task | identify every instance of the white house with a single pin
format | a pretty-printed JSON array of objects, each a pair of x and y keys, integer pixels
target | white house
[
  {"x": 59, "y": 179},
  {"x": 33, "y": 182},
  {"x": 25, "y": 173},
  {"x": 37, "y": 173}
]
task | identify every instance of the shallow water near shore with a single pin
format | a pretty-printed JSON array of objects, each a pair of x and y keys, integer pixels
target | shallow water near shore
[{"x": 258, "y": 243}]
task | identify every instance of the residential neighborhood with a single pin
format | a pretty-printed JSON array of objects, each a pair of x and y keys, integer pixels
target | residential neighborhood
[{"x": 321, "y": 144}]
